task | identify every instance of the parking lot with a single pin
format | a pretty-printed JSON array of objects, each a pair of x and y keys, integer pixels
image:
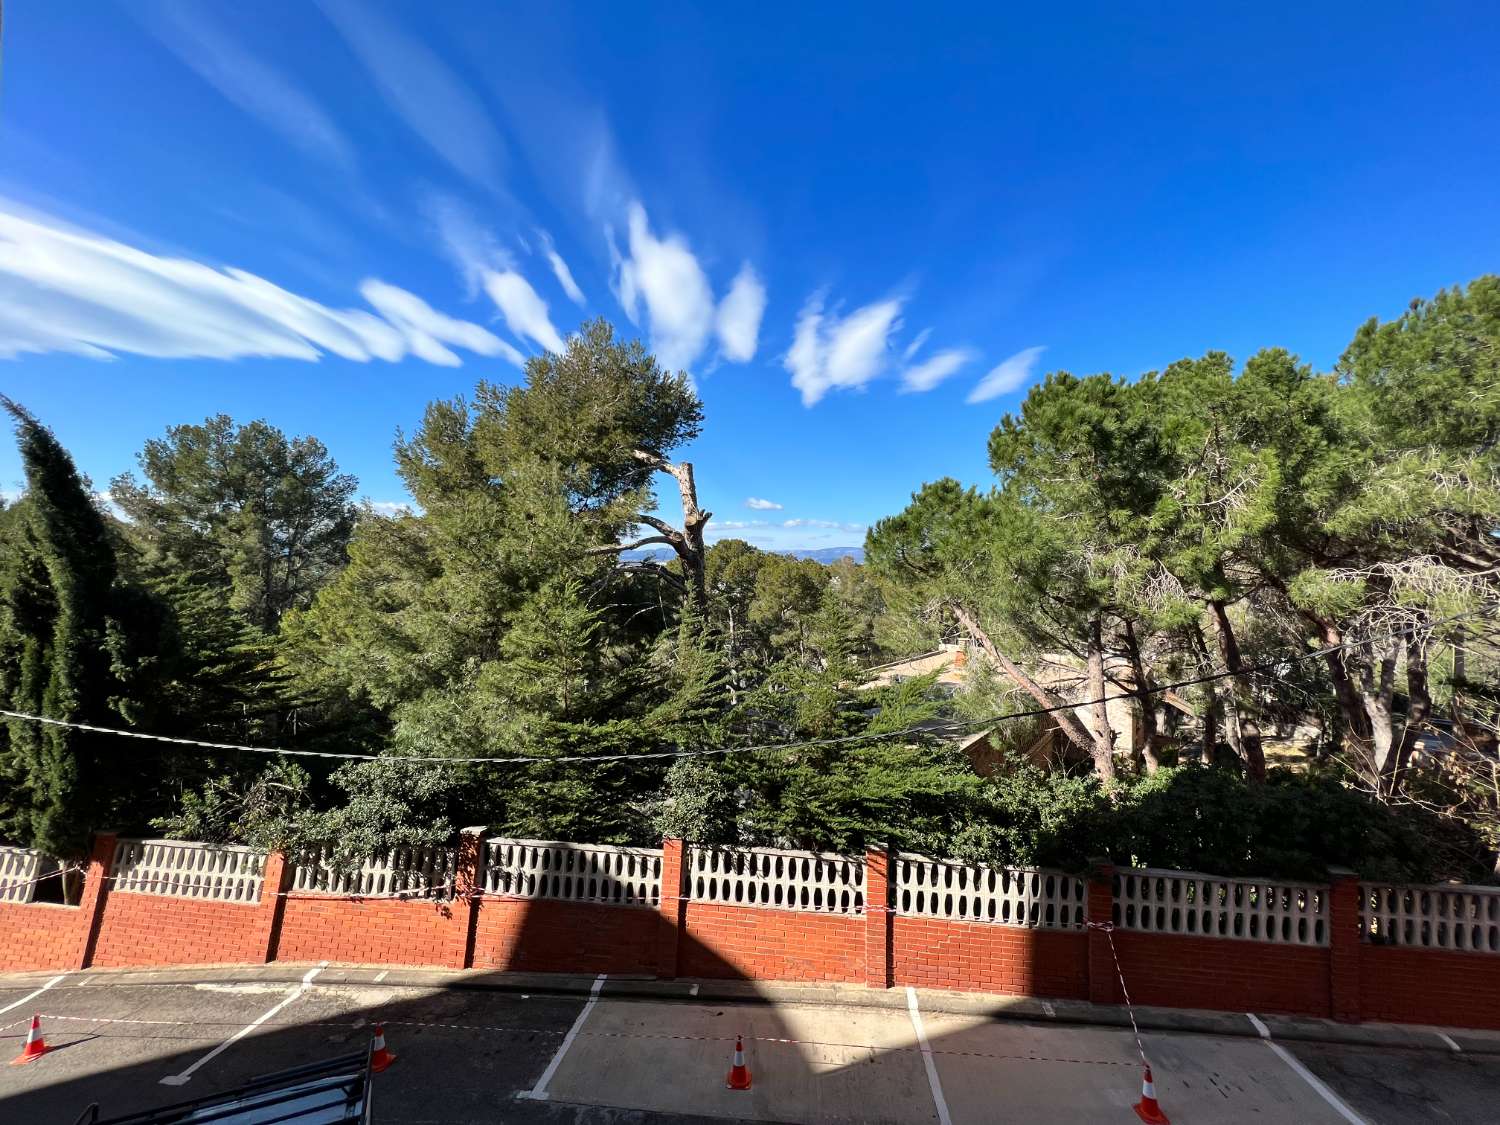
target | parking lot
[{"x": 471, "y": 1052}]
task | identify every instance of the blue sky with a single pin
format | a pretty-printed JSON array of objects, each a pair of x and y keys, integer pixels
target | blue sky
[{"x": 864, "y": 230}]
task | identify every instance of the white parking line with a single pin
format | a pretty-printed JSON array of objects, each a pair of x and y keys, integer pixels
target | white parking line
[
  {"x": 539, "y": 1091},
  {"x": 1306, "y": 1075},
  {"x": 33, "y": 995},
  {"x": 186, "y": 1076},
  {"x": 933, "y": 1081}
]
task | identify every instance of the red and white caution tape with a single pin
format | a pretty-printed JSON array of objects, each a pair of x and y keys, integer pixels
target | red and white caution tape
[{"x": 1109, "y": 931}]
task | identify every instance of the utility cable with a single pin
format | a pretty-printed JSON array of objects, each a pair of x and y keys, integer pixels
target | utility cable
[{"x": 846, "y": 740}]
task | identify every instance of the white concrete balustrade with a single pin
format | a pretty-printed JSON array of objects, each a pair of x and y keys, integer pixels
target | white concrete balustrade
[
  {"x": 1181, "y": 902},
  {"x": 572, "y": 872},
  {"x": 1447, "y": 916},
  {"x": 422, "y": 871},
  {"x": 817, "y": 881},
  {"x": 20, "y": 868},
  {"x": 183, "y": 869},
  {"x": 929, "y": 888}
]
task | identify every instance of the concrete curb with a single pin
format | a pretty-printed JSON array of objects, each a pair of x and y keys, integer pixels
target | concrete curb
[{"x": 624, "y": 987}]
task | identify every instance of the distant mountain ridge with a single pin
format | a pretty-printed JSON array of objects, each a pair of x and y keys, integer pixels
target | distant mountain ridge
[{"x": 823, "y": 555}]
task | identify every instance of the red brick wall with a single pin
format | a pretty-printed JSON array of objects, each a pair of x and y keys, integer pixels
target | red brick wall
[
  {"x": 760, "y": 944},
  {"x": 931, "y": 953},
  {"x": 1408, "y": 985},
  {"x": 373, "y": 931},
  {"x": 543, "y": 936},
  {"x": 1238, "y": 976},
  {"x": 695, "y": 939},
  {"x": 142, "y": 929},
  {"x": 40, "y": 936}
]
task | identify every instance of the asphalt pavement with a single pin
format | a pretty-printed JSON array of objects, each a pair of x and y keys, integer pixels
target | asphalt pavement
[{"x": 482, "y": 1048}]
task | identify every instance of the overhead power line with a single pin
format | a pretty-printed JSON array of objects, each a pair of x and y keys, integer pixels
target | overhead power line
[{"x": 1037, "y": 712}]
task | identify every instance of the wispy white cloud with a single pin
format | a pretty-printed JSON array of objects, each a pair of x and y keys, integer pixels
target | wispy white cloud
[
  {"x": 930, "y": 372},
  {"x": 464, "y": 239},
  {"x": 427, "y": 330},
  {"x": 560, "y": 269},
  {"x": 916, "y": 345},
  {"x": 664, "y": 275},
  {"x": 390, "y": 508},
  {"x": 486, "y": 264},
  {"x": 63, "y": 289},
  {"x": 432, "y": 100},
  {"x": 738, "y": 525},
  {"x": 739, "y": 315},
  {"x": 524, "y": 310},
  {"x": 828, "y": 352},
  {"x": 831, "y": 525},
  {"x": 247, "y": 81},
  {"x": 1007, "y": 376},
  {"x": 757, "y": 504},
  {"x": 622, "y": 278}
]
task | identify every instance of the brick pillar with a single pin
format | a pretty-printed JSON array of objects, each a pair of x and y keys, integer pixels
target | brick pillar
[
  {"x": 95, "y": 893},
  {"x": 1344, "y": 941},
  {"x": 468, "y": 889},
  {"x": 673, "y": 906},
  {"x": 879, "y": 901},
  {"x": 1104, "y": 977},
  {"x": 273, "y": 891}
]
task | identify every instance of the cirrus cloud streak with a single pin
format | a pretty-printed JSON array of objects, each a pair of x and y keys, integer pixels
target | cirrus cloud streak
[{"x": 69, "y": 290}]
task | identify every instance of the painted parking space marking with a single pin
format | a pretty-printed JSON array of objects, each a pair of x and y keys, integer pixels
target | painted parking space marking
[
  {"x": 1308, "y": 1076},
  {"x": 936, "y": 1083},
  {"x": 33, "y": 995},
  {"x": 539, "y": 1091},
  {"x": 186, "y": 1076},
  {"x": 1312, "y": 1080},
  {"x": 1305, "y": 1074}
]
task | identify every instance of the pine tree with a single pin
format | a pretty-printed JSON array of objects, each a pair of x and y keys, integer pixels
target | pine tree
[{"x": 61, "y": 653}]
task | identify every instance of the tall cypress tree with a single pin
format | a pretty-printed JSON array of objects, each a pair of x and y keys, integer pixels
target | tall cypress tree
[{"x": 58, "y": 649}]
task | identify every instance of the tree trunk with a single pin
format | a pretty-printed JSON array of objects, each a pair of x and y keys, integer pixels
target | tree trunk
[
  {"x": 1066, "y": 722},
  {"x": 1104, "y": 735},
  {"x": 687, "y": 542},
  {"x": 1147, "y": 701},
  {"x": 1240, "y": 692},
  {"x": 1211, "y": 705},
  {"x": 1356, "y": 724},
  {"x": 1210, "y": 728},
  {"x": 1377, "y": 687},
  {"x": 1418, "y": 705}
]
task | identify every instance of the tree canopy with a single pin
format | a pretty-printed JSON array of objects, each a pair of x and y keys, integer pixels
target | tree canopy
[{"x": 1288, "y": 574}]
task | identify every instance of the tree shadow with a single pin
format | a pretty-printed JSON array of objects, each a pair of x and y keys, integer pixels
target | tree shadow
[{"x": 465, "y": 1050}]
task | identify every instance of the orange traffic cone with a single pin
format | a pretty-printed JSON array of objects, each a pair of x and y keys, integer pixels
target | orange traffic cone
[
  {"x": 380, "y": 1058},
  {"x": 739, "y": 1073},
  {"x": 35, "y": 1046},
  {"x": 1147, "y": 1109}
]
